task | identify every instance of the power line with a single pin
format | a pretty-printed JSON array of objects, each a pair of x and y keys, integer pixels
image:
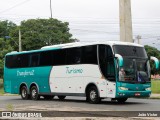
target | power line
[
  {"x": 16, "y": 5},
  {"x": 85, "y": 30}
]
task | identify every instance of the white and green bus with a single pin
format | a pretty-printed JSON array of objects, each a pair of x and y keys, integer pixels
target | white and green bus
[{"x": 91, "y": 70}]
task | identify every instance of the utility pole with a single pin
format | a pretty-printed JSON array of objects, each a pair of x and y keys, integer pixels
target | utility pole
[
  {"x": 138, "y": 37},
  {"x": 126, "y": 34},
  {"x": 20, "y": 41},
  {"x": 51, "y": 7}
]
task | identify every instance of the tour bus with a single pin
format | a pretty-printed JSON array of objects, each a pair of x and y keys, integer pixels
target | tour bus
[{"x": 116, "y": 70}]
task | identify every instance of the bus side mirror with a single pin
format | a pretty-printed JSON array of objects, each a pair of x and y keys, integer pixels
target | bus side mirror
[
  {"x": 120, "y": 60},
  {"x": 156, "y": 61}
]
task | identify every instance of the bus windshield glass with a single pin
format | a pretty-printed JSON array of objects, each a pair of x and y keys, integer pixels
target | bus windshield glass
[
  {"x": 136, "y": 64},
  {"x": 130, "y": 51}
]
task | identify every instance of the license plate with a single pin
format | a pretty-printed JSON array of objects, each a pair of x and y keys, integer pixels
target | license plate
[{"x": 137, "y": 94}]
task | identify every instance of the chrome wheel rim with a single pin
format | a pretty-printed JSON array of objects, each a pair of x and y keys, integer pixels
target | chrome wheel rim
[
  {"x": 93, "y": 95},
  {"x": 24, "y": 93},
  {"x": 34, "y": 93}
]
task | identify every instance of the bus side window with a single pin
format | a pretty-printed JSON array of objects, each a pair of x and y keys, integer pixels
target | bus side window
[
  {"x": 73, "y": 56},
  {"x": 59, "y": 57},
  {"x": 46, "y": 58},
  {"x": 23, "y": 60},
  {"x": 34, "y": 60},
  {"x": 11, "y": 61},
  {"x": 89, "y": 55}
]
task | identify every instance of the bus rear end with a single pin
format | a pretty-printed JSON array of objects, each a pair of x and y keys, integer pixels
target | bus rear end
[
  {"x": 10, "y": 81},
  {"x": 7, "y": 80}
]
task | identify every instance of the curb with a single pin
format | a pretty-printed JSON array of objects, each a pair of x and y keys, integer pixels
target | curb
[{"x": 155, "y": 96}]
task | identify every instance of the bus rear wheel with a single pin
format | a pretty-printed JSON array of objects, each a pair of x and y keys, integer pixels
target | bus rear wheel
[
  {"x": 92, "y": 95},
  {"x": 61, "y": 97},
  {"x": 24, "y": 93},
  {"x": 122, "y": 100},
  {"x": 34, "y": 93}
]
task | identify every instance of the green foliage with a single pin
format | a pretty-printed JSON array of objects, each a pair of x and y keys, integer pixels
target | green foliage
[
  {"x": 41, "y": 32},
  {"x": 5, "y": 28},
  {"x": 152, "y": 51},
  {"x": 35, "y": 33}
]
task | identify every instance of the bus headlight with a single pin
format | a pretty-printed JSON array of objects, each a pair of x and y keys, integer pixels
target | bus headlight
[
  {"x": 123, "y": 88},
  {"x": 148, "y": 88}
]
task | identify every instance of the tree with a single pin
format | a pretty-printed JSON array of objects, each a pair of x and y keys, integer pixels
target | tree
[
  {"x": 36, "y": 33},
  {"x": 41, "y": 32},
  {"x": 5, "y": 46},
  {"x": 5, "y": 28}
]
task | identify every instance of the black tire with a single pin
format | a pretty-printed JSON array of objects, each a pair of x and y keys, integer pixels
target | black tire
[
  {"x": 92, "y": 95},
  {"x": 34, "y": 93},
  {"x": 48, "y": 97},
  {"x": 61, "y": 97},
  {"x": 121, "y": 100},
  {"x": 24, "y": 93}
]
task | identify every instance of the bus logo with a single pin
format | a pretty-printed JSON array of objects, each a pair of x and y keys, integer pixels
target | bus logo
[
  {"x": 25, "y": 73},
  {"x": 73, "y": 70}
]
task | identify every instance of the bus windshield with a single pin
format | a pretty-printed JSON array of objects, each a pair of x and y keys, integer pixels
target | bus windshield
[
  {"x": 134, "y": 70},
  {"x": 136, "y": 64}
]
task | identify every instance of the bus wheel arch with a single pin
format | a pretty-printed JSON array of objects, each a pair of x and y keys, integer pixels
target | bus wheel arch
[
  {"x": 23, "y": 90},
  {"x": 92, "y": 93},
  {"x": 61, "y": 97},
  {"x": 34, "y": 91}
]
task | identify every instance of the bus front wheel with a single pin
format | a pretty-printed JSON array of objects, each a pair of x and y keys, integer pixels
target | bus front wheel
[
  {"x": 92, "y": 95},
  {"x": 121, "y": 100},
  {"x": 61, "y": 97},
  {"x": 34, "y": 93},
  {"x": 24, "y": 93}
]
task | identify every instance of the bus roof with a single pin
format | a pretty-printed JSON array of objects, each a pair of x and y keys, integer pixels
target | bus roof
[
  {"x": 78, "y": 44},
  {"x": 75, "y": 44}
]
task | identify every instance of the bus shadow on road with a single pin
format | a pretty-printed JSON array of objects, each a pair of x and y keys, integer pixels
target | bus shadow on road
[
  {"x": 82, "y": 100},
  {"x": 116, "y": 103},
  {"x": 104, "y": 102}
]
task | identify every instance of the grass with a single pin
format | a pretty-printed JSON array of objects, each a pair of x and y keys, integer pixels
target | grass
[
  {"x": 155, "y": 87},
  {"x": 1, "y": 87}
]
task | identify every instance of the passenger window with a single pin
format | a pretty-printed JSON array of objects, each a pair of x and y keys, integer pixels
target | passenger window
[
  {"x": 74, "y": 56},
  {"x": 59, "y": 57},
  {"x": 23, "y": 60},
  {"x": 12, "y": 61},
  {"x": 34, "y": 60},
  {"x": 46, "y": 58},
  {"x": 17, "y": 61},
  {"x": 89, "y": 54}
]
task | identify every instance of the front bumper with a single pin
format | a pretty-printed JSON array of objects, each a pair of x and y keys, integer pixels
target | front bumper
[{"x": 135, "y": 94}]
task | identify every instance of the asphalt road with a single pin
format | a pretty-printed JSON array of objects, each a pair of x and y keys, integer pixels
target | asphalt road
[{"x": 77, "y": 104}]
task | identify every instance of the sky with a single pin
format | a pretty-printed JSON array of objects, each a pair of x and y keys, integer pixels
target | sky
[
  {"x": 86, "y": 17},
  {"x": 17, "y": 10}
]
